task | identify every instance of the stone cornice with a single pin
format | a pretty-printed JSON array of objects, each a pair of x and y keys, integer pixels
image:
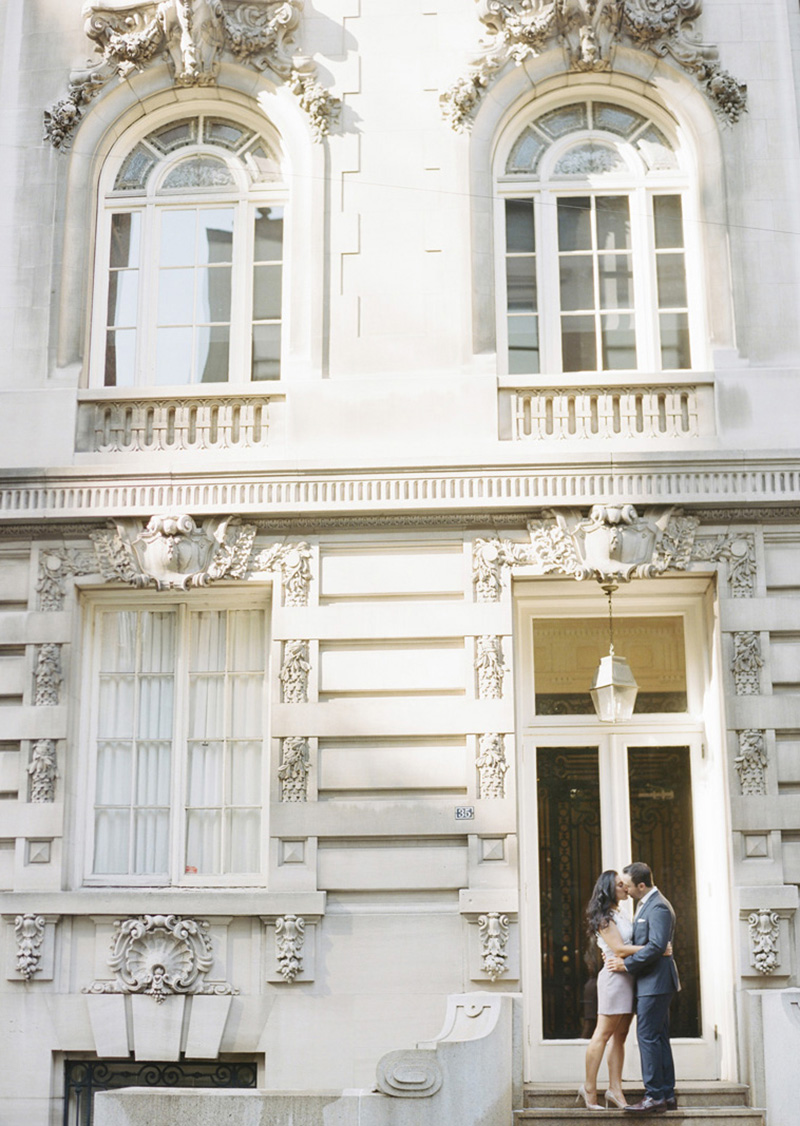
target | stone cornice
[{"x": 708, "y": 480}]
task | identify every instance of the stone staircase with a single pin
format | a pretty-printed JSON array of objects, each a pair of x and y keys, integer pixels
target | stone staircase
[{"x": 699, "y": 1104}]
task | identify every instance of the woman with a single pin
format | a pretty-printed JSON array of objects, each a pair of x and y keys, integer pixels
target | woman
[{"x": 613, "y": 930}]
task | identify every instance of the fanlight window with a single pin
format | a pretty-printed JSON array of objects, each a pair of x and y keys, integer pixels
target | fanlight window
[
  {"x": 595, "y": 271},
  {"x": 191, "y": 259}
]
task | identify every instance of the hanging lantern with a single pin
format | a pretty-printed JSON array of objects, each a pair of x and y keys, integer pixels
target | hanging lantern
[{"x": 614, "y": 687}]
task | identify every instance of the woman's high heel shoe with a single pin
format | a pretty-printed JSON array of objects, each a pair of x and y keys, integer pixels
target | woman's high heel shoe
[
  {"x": 582, "y": 1095},
  {"x": 612, "y": 1098}
]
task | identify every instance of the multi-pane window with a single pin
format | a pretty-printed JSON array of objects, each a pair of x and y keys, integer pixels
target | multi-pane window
[
  {"x": 190, "y": 269},
  {"x": 595, "y": 274},
  {"x": 178, "y": 730}
]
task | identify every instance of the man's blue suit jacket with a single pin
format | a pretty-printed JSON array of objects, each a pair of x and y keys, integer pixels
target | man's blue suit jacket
[{"x": 653, "y": 928}]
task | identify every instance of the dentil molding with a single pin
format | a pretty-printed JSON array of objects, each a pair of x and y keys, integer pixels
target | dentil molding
[
  {"x": 194, "y": 36},
  {"x": 588, "y": 32}
]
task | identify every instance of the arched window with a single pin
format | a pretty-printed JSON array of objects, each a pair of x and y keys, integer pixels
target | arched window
[
  {"x": 189, "y": 258},
  {"x": 593, "y": 226}
]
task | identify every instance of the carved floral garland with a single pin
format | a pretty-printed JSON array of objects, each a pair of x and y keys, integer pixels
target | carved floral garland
[
  {"x": 589, "y": 31},
  {"x": 193, "y": 36}
]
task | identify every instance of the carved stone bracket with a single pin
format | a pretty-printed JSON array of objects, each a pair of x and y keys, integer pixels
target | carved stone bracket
[
  {"x": 294, "y": 672},
  {"x": 739, "y": 552},
  {"x": 493, "y": 930},
  {"x": 43, "y": 772},
  {"x": 490, "y": 666},
  {"x": 294, "y": 768},
  {"x": 293, "y": 564},
  {"x": 764, "y": 928},
  {"x": 48, "y": 677},
  {"x": 492, "y": 766},
  {"x": 751, "y": 762},
  {"x": 746, "y": 663},
  {"x": 588, "y": 33},
  {"x": 289, "y": 939},
  {"x": 161, "y": 955},
  {"x": 29, "y": 935},
  {"x": 171, "y": 552},
  {"x": 193, "y": 36}
]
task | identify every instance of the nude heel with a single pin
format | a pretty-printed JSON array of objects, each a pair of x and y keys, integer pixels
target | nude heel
[
  {"x": 612, "y": 1098},
  {"x": 582, "y": 1095}
]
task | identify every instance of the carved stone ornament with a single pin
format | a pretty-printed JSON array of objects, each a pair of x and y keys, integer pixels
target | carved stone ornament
[
  {"x": 492, "y": 766},
  {"x": 29, "y": 935},
  {"x": 493, "y": 929},
  {"x": 293, "y": 563},
  {"x": 490, "y": 667},
  {"x": 746, "y": 663},
  {"x": 588, "y": 32},
  {"x": 751, "y": 762},
  {"x": 612, "y": 544},
  {"x": 172, "y": 552},
  {"x": 294, "y": 672},
  {"x": 289, "y": 938},
  {"x": 294, "y": 768},
  {"x": 160, "y": 955},
  {"x": 764, "y": 940},
  {"x": 42, "y": 769},
  {"x": 48, "y": 676},
  {"x": 193, "y": 36},
  {"x": 56, "y": 565},
  {"x": 411, "y": 1073},
  {"x": 738, "y": 552}
]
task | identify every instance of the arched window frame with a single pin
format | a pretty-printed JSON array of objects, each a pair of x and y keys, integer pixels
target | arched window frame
[
  {"x": 245, "y": 194},
  {"x": 634, "y": 180}
]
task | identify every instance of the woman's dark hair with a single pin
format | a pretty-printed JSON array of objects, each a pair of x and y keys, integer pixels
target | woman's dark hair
[{"x": 603, "y": 902}]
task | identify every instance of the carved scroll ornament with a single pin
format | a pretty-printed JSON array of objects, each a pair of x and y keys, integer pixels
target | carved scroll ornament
[
  {"x": 289, "y": 938},
  {"x": 29, "y": 935},
  {"x": 159, "y": 955},
  {"x": 294, "y": 672},
  {"x": 43, "y": 772},
  {"x": 171, "y": 552},
  {"x": 48, "y": 677},
  {"x": 751, "y": 762},
  {"x": 764, "y": 940},
  {"x": 746, "y": 663},
  {"x": 490, "y": 666},
  {"x": 492, "y": 766},
  {"x": 193, "y": 36},
  {"x": 493, "y": 931},
  {"x": 294, "y": 768},
  {"x": 293, "y": 564},
  {"x": 588, "y": 32}
]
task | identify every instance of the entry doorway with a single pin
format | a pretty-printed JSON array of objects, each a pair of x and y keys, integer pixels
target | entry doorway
[{"x": 595, "y": 796}]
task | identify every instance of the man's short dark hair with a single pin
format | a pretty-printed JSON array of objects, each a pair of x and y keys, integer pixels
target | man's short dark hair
[{"x": 639, "y": 873}]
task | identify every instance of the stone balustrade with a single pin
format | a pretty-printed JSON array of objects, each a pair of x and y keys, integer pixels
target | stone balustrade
[
  {"x": 570, "y": 413},
  {"x": 150, "y": 425}
]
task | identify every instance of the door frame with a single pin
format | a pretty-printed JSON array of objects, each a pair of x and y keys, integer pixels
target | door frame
[{"x": 701, "y": 728}]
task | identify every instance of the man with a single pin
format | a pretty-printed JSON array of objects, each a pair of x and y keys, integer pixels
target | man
[{"x": 656, "y": 982}]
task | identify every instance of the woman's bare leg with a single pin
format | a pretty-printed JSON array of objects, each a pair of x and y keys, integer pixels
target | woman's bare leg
[
  {"x": 604, "y": 1030},
  {"x": 616, "y": 1054}
]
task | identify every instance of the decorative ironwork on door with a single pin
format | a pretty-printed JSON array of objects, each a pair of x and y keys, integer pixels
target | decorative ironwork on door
[
  {"x": 82, "y": 1078},
  {"x": 569, "y": 863}
]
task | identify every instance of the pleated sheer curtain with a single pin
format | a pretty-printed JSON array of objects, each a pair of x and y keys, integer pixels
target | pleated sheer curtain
[{"x": 180, "y": 722}]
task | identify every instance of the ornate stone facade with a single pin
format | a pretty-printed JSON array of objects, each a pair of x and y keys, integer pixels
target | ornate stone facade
[
  {"x": 493, "y": 930},
  {"x": 193, "y": 36},
  {"x": 492, "y": 766},
  {"x": 29, "y": 935},
  {"x": 294, "y": 768},
  {"x": 490, "y": 666},
  {"x": 294, "y": 672},
  {"x": 43, "y": 772},
  {"x": 764, "y": 929},
  {"x": 293, "y": 563},
  {"x": 751, "y": 762},
  {"x": 746, "y": 663},
  {"x": 48, "y": 676},
  {"x": 160, "y": 955},
  {"x": 289, "y": 939},
  {"x": 589, "y": 32}
]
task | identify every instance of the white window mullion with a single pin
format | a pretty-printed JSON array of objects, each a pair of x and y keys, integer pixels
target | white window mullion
[
  {"x": 644, "y": 288},
  {"x": 146, "y": 365},
  {"x": 549, "y": 286},
  {"x": 179, "y": 780}
]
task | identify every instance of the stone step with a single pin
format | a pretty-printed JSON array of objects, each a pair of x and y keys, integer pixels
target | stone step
[
  {"x": 688, "y": 1116},
  {"x": 542, "y": 1096}
]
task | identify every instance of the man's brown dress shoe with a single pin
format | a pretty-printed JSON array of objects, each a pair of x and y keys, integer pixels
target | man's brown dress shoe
[
  {"x": 671, "y": 1104},
  {"x": 648, "y": 1105}
]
